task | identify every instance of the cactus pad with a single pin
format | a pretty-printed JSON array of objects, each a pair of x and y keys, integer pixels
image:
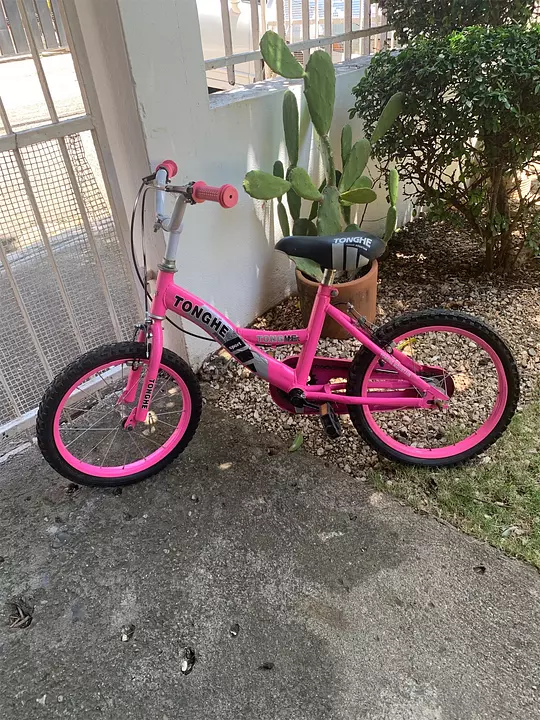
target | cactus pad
[
  {"x": 393, "y": 186},
  {"x": 329, "y": 220},
  {"x": 263, "y": 186},
  {"x": 346, "y": 144},
  {"x": 308, "y": 267},
  {"x": 359, "y": 196},
  {"x": 303, "y": 226},
  {"x": 291, "y": 126},
  {"x": 320, "y": 90},
  {"x": 283, "y": 219},
  {"x": 278, "y": 57},
  {"x": 302, "y": 184},
  {"x": 278, "y": 169},
  {"x": 391, "y": 219},
  {"x": 356, "y": 164},
  {"x": 391, "y": 111}
]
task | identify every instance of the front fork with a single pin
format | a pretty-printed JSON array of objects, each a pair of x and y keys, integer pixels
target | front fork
[{"x": 152, "y": 334}]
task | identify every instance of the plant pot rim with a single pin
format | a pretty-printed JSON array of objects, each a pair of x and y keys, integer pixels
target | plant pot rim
[{"x": 372, "y": 271}]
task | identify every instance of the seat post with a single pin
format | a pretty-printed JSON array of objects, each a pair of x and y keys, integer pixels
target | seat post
[
  {"x": 328, "y": 277},
  {"x": 315, "y": 326}
]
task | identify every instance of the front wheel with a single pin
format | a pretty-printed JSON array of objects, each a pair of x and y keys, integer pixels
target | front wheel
[
  {"x": 457, "y": 353},
  {"x": 81, "y": 419}
]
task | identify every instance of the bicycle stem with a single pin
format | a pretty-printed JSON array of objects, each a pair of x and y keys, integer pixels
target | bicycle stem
[{"x": 172, "y": 225}]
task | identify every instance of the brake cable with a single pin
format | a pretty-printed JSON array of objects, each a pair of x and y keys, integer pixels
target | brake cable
[{"x": 141, "y": 195}]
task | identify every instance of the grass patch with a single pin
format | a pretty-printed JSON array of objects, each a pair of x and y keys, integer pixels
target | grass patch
[{"x": 496, "y": 498}]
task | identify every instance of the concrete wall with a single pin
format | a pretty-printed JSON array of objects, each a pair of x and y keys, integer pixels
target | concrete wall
[{"x": 226, "y": 257}]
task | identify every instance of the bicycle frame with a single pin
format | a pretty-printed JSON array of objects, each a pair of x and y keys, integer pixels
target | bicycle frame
[{"x": 243, "y": 343}]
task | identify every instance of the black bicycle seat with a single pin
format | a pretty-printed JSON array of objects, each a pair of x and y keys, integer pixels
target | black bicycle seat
[{"x": 346, "y": 251}]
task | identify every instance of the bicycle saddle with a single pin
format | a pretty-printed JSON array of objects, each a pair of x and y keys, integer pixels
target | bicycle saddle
[{"x": 346, "y": 251}]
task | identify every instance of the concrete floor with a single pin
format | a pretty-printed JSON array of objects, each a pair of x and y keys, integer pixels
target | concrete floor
[{"x": 365, "y": 609}]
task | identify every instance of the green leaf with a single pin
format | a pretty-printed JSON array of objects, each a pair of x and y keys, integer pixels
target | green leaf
[
  {"x": 352, "y": 228},
  {"x": 393, "y": 186},
  {"x": 346, "y": 144},
  {"x": 308, "y": 267},
  {"x": 297, "y": 443},
  {"x": 278, "y": 57},
  {"x": 303, "y": 185},
  {"x": 360, "y": 196},
  {"x": 263, "y": 186},
  {"x": 291, "y": 126},
  {"x": 304, "y": 227},
  {"x": 283, "y": 219},
  {"x": 356, "y": 164}
]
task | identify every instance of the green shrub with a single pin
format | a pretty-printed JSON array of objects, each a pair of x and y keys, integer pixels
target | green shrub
[
  {"x": 437, "y": 18},
  {"x": 470, "y": 127}
]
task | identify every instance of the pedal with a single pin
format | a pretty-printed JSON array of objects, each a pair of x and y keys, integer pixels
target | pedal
[{"x": 330, "y": 421}]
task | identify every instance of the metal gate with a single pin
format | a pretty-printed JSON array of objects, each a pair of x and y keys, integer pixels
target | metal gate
[{"x": 65, "y": 280}]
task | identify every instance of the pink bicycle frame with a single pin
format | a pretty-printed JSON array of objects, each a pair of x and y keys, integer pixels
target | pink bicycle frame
[{"x": 243, "y": 343}]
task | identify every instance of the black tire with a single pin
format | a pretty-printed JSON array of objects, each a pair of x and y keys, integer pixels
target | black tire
[
  {"x": 385, "y": 335},
  {"x": 77, "y": 369}
]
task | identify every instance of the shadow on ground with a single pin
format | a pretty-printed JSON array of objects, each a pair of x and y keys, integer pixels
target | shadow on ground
[{"x": 365, "y": 609}]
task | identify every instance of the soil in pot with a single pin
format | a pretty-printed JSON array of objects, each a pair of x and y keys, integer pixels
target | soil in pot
[{"x": 361, "y": 292}]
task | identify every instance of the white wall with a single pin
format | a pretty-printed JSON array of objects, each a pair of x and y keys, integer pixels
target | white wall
[{"x": 226, "y": 256}]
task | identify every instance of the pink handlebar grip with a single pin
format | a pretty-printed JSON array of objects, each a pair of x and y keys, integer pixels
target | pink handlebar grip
[
  {"x": 226, "y": 195},
  {"x": 170, "y": 166}
]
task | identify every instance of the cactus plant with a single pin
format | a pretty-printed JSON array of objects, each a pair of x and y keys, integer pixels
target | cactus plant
[{"x": 332, "y": 202}]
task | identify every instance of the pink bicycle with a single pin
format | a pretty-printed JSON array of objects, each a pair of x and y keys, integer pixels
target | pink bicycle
[{"x": 432, "y": 388}]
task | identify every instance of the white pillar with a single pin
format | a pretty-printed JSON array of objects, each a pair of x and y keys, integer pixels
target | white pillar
[{"x": 164, "y": 47}]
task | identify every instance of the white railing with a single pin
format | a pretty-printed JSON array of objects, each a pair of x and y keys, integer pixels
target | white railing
[{"x": 346, "y": 28}]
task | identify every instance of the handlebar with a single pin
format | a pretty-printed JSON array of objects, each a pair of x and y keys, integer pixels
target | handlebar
[
  {"x": 198, "y": 192},
  {"x": 170, "y": 167},
  {"x": 226, "y": 195}
]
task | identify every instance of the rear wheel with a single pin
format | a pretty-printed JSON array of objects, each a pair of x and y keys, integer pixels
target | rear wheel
[
  {"x": 81, "y": 418},
  {"x": 458, "y": 354}
]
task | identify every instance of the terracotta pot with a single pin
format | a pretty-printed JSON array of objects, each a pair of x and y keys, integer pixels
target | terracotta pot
[{"x": 362, "y": 293}]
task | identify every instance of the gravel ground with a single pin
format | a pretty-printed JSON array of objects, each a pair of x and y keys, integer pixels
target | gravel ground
[{"x": 432, "y": 266}]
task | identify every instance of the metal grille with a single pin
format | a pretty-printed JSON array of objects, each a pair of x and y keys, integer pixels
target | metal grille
[
  {"x": 45, "y": 22},
  {"x": 65, "y": 282},
  {"x": 346, "y": 28}
]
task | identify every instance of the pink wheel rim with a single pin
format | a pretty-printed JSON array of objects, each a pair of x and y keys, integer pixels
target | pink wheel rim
[
  {"x": 463, "y": 445},
  {"x": 139, "y": 465}
]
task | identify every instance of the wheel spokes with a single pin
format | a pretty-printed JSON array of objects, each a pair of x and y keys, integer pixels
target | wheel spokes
[
  {"x": 472, "y": 399},
  {"x": 95, "y": 412}
]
